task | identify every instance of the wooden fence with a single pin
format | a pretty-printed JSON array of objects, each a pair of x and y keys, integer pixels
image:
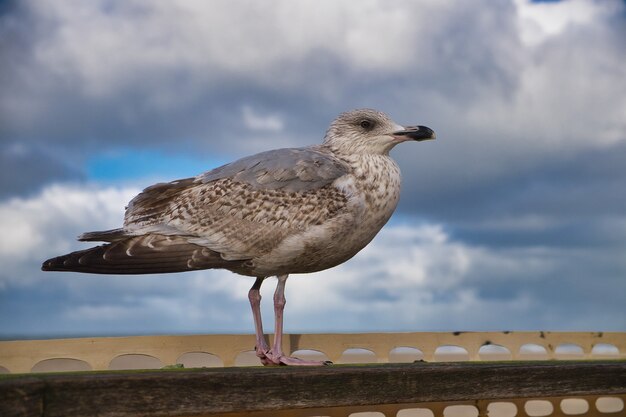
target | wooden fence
[{"x": 407, "y": 374}]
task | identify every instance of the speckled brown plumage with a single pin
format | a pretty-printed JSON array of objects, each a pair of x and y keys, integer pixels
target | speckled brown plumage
[{"x": 277, "y": 212}]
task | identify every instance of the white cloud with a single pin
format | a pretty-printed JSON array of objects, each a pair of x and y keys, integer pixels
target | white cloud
[
  {"x": 540, "y": 21},
  {"x": 254, "y": 121},
  {"x": 211, "y": 40},
  {"x": 48, "y": 223}
]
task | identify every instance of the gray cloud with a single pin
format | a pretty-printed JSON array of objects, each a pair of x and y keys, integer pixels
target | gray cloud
[
  {"x": 101, "y": 75},
  {"x": 24, "y": 170},
  {"x": 572, "y": 198}
]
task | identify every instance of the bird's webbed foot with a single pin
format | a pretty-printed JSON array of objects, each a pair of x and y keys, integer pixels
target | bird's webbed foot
[{"x": 268, "y": 358}]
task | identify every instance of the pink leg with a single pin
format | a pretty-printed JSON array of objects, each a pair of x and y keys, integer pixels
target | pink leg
[
  {"x": 254, "y": 295},
  {"x": 279, "y": 307},
  {"x": 276, "y": 355}
]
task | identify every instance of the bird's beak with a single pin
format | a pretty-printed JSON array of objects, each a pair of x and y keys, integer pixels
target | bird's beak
[{"x": 418, "y": 133}]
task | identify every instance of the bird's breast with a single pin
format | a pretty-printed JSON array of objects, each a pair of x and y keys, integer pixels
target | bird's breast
[
  {"x": 374, "y": 187},
  {"x": 372, "y": 191}
]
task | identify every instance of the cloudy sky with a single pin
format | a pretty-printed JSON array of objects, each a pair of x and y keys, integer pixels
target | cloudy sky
[{"x": 514, "y": 219}]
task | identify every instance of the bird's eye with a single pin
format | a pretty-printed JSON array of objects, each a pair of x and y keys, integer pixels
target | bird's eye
[{"x": 366, "y": 124}]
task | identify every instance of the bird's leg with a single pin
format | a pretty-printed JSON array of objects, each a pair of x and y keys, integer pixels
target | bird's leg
[
  {"x": 279, "y": 307},
  {"x": 254, "y": 295},
  {"x": 276, "y": 355}
]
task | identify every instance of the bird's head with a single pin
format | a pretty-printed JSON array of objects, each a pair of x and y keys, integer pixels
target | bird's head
[{"x": 372, "y": 132}]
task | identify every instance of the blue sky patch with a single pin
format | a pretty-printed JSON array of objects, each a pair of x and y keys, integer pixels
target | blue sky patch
[{"x": 132, "y": 164}]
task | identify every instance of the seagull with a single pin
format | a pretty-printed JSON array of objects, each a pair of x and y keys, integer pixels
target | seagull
[{"x": 276, "y": 213}]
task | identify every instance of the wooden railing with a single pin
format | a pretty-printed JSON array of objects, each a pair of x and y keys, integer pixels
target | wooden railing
[{"x": 504, "y": 374}]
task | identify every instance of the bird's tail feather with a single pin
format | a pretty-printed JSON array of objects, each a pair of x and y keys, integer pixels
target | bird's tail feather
[
  {"x": 104, "y": 236},
  {"x": 148, "y": 254}
]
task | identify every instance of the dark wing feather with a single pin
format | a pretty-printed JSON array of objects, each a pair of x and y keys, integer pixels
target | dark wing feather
[
  {"x": 104, "y": 236},
  {"x": 155, "y": 200},
  {"x": 149, "y": 254}
]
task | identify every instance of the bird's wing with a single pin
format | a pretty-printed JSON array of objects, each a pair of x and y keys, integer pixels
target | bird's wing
[
  {"x": 290, "y": 169},
  {"x": 246, "y": 208}
]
